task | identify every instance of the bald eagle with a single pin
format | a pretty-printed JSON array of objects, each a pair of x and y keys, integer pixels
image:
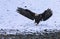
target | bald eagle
[{"x": 34, "y": 16}]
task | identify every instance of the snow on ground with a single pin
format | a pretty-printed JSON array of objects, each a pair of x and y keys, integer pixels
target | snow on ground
[{"x": 10, "y": 19}]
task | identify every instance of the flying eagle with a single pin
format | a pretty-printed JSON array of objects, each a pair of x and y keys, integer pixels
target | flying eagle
[{"x": 34, "y": 16}]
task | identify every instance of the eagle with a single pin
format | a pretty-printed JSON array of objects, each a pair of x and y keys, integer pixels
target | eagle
[{"x": 34, "y": 16}]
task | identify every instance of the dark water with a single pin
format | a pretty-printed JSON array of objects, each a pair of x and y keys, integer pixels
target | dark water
[{"x": 51, "y": 35}]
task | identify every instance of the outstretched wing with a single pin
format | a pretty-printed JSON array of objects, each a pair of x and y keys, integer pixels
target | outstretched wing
[
  {"x": 46, "y": 14},
  {"x": 27, "y": 13}
]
